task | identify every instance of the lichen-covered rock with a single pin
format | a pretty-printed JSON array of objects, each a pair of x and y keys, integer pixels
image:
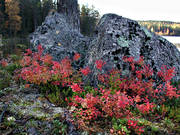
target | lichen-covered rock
[{"x": 118, "y": 37}]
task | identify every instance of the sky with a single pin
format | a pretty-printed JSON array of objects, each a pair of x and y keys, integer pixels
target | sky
[{"x": 165, "y": 10}]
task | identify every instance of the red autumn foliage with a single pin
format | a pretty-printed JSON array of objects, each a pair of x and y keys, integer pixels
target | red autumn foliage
[
  {"x": 116, "y": 95},
  {"x": 76, "y": 57},
  {"x": 85, "y": 71},
  {"x": 166, "y": 74},
  {"x": 76, "y": 88},
  {"x": 100, "y": 64},
  {"x": 134, "y": 125}
]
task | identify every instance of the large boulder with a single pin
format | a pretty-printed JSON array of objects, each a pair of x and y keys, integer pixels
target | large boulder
[
  {"x": 58, "y": 37},
  {"x": 118, "y": 37},
  {"x": 115, "y": 37}
]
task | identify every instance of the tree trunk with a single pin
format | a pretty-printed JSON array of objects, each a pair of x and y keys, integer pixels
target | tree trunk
[{"x": 71, "y": 10}]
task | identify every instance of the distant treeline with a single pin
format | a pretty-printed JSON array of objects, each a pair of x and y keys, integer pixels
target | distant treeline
[{"x": 165, "y": 28}]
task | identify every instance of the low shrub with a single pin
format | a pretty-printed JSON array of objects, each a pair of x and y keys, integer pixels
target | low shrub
[{"x": 116, "y": 104}]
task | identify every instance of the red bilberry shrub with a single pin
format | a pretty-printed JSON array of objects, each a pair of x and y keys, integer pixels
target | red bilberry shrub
[
  {"x": 99, "y": 64},
  {"x": 117, "y": 96},
  {"x": 85, "y": 71},
  {"x": 76, "y": 57}
]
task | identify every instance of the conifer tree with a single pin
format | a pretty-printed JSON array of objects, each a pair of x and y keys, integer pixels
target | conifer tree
[
  {"x": 14, "y": 20},
  {"x": 88, "y": 20}
]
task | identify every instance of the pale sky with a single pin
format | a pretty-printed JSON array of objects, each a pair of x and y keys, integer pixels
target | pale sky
[{"x": 167, "y": 10}]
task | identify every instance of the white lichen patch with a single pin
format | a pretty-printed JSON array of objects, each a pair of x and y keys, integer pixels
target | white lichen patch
[{"x": 123, "y": 42}]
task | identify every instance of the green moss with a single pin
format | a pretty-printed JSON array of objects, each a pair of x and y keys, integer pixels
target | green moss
[
  {"x": 24, "y": 104},
  {"x": 37, "y": 103},
  {"x": 43, "y": 117},
  {"x": 39, "y": 115},
  {"x": 56, "y": 115},
  {"x": 36, "y": 109}
]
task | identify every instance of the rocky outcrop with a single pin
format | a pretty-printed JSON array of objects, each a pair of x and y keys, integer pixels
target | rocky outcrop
[
  {"x": 118, "y": 37},
  {"x": 115, "y": 37}
]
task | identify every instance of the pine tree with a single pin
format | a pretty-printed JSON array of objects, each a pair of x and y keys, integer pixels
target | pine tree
[
  {"x": 14, "y": 20},
  {"x": 88, "y": 20}
]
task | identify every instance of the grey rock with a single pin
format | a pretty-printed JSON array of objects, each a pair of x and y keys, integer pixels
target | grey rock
[
  {"x": 118, "y": 37},
  {"x": 115, "y": 37}
]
